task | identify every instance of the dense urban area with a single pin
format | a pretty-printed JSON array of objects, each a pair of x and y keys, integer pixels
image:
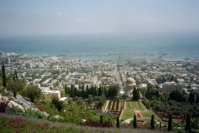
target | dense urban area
[{"x": 148, "y": 93}]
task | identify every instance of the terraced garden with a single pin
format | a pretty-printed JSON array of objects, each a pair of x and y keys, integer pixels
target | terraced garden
[
  {"x": 134, "y": 105},
  {"x": 116, "y": 105}
]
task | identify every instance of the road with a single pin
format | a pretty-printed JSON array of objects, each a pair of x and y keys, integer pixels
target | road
[{"x": 119, "y": 80}]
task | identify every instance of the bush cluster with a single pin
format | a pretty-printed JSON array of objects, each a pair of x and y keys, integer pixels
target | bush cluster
[
  {"x": 19, "y": 125},
  {"x": 97, "y": 124}
]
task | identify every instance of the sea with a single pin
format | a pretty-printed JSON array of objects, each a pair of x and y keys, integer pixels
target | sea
[{"x": 174, "y": 45}]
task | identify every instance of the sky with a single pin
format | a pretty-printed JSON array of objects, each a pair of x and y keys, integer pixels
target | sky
[{"x": 54, "y": 17}]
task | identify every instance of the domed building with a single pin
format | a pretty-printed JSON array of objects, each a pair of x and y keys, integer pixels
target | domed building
[{"x": 130, "y": 84}]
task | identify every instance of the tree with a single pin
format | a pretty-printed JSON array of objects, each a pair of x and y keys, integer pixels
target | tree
[
  {"x": 72, "y": 91},
  {"x": 67, "y": 90},
  {"x": 15, "y": 76},
  {"x": 33, "y": 92},
  {"x": 175, "y": 95},
  {"x": 152, "y": 122},
  {"x": 16, "y": 86},
  {"x": 136, "y": 94},
  {"x": 86, "y": 92},
  {"x": 188, "y": 123},
  {"x": 101, "y": 119},
  {"x": 194, "y": 123},
  {"x": 113, "y": 91},
  {"x": 83, "y": 91},
  {"x": 102, "y": 100},
  {"x": 100, "y": 90},
  {"x": 192, "y": 96},
  {"x": 90, "y": 99},
  {"x": 135, "y": 121},
  {"x": 58, "y": 104},
  {"x": 4, "y": 76},
  {"x": 118, "y": 122},
  {"x": 170, "y": 123}
]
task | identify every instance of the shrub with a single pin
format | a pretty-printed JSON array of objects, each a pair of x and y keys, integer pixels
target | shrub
[
  {"x": 107, "y": 124},
  {"x": 58, "y": 104},
  {"x": 16, "y": 111},
  {"x": 97, "y": 124},
  {"x": 3, "y": 104},
  {"x": 92, "y": 123},
  {"x": 34, "y": 113},
  {"x": 19, "y": 125}
]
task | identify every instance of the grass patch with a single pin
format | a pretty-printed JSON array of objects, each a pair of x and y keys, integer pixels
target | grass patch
[
  {"x": 129, "y": 105},
  {"x": 127, "y": 115},
  {"x": 141, "y": 106},
  {"x": 47, "y": 109},
  {"x": 134, "y": 105},
  {"x": 148, "y": 115},
  {"x": 109, "y": 118}
]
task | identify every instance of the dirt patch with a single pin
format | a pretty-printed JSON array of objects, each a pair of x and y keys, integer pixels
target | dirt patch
[{"x": 138, "y": 114}]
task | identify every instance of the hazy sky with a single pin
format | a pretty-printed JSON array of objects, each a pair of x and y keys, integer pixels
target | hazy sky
[{"x": 35, "y": 17}]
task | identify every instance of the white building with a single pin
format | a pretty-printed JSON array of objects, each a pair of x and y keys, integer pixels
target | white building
[
  {"x": 52, "y": 93},
  {"x": 169, "y": 86},
  {"x": 1, "y": 54},
  {"x": 88, "y": 68},
  {"x": 29, "y": 65},
  {"x": 7, "y": 60}
]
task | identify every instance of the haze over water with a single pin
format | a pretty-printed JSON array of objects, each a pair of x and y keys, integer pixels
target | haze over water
[
  {"x": 99, "y": 27},
  {"x": 101, "y": 44}
]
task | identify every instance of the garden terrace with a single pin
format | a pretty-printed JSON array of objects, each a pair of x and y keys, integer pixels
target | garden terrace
[
  {"x": 134, "y": 105},
  {"x": 115, "y": 105}
]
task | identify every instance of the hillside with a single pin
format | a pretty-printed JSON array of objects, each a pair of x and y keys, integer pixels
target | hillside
[{"x": 27, "y": 124}]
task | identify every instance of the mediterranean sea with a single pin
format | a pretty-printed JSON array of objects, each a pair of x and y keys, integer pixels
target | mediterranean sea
[{"x": 179, "y": 45}]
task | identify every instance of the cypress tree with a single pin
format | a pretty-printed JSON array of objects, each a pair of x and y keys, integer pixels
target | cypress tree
[
  {"x": 100, "y": 90},
  {"x": 135, "y": 121},
  {"x": 4, "y": 76},
  {"x": 152, "y": 122},
  {"x": 170, "y": 123},
  {"x": 66, "y": 90},
  {"x": 118, "y": 123},
  {"x": 188, "y": 122},
  {"x": 101, "y": 119},
  {"x": 136, "y": 94},
  {"x": 87, "y": 92},
  {"x": 15, "y": 75},
  {"x": 75, "y": 92},
  {"x": 72, "y": 91},
  {"x": 83, "y": 92},
  {"x": 197, "y": 98}
]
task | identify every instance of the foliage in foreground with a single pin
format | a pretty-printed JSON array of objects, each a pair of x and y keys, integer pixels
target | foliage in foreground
[
  {"x": 3, "y": 104},
  {"x": 97, "y": 124},
  {"x": 19, "y": 125}
]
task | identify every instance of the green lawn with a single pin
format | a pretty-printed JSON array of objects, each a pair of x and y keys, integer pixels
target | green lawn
[
  {"x": 141, "y": 106},
  {"x": 129, "y": 105},
  {"x": 134, "y": 105},
  {"x": 110, "y": 118},
  {"x": 127, "y": 115},
  {"x": 148, "y": 115}
]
